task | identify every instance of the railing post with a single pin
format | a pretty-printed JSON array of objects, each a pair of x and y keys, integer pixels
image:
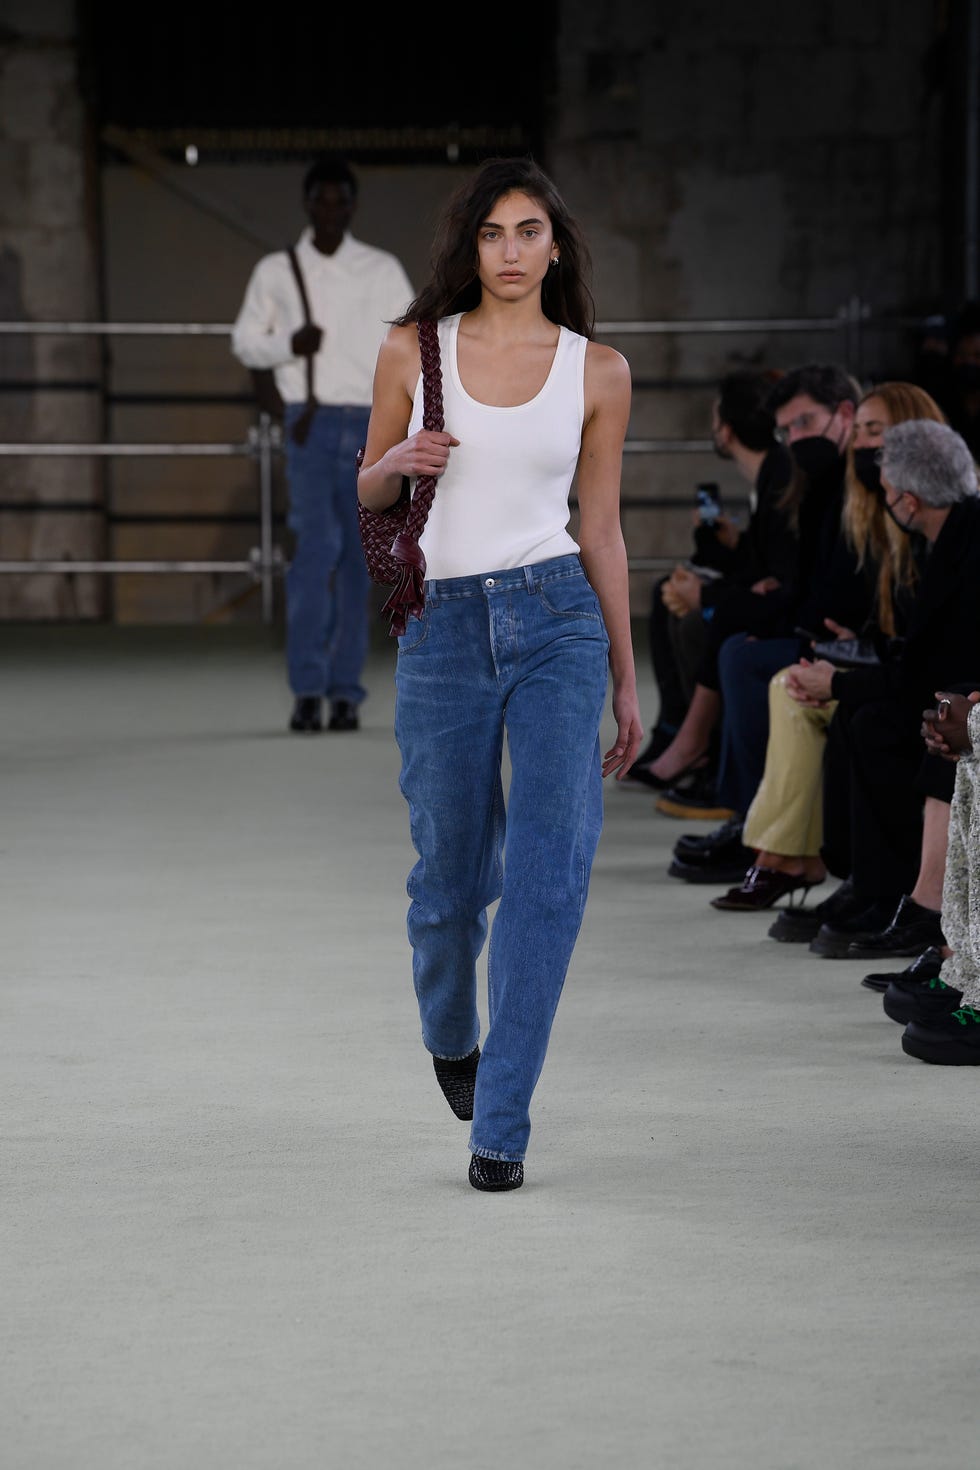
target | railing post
[{"x": 265, "y": 437}]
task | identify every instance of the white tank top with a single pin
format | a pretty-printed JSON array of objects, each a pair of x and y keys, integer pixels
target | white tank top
[{"x": 503, "y": 501}]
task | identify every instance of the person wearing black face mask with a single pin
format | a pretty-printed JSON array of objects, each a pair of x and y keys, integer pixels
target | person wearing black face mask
[{"x": 875, "y": 778}]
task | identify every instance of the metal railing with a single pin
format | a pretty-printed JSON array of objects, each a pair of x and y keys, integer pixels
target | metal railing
[{"x": 264, "y": 439}]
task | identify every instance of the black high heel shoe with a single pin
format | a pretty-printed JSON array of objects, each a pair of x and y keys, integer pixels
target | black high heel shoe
[{"x": 760, "y": 889}]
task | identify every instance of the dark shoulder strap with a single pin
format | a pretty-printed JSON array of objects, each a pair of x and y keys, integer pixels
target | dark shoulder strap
[
  {"x": 307, "y": 319},
  {"x": 300, "y": 284}
]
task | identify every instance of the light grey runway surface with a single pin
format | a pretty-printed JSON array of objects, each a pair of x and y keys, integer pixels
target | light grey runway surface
[{"x": 236, "y": 1228}]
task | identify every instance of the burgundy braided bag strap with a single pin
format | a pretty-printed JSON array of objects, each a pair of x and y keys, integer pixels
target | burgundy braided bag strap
[
  {"x": 407, "y": 599},
  {"x": 390, "y": 538}
]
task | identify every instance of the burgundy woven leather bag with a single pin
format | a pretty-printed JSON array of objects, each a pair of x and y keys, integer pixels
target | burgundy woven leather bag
[{"x": 390, "y": 538}]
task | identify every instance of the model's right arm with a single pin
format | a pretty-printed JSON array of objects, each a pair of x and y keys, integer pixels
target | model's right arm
[
  {"x": 258, "y": 338},
  {"x": 389, "y": 454}
]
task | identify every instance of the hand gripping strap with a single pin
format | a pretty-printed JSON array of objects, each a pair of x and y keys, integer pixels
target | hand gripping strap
[{"x": 407, "y": 598}]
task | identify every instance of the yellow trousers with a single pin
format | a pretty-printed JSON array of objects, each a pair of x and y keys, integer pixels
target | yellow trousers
[{"x": 786, "y": 815}]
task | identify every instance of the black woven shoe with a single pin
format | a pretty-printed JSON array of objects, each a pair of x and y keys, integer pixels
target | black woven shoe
[
  {"x": 495, "y": 1173},
  {"x": 919, "y": 1000},
  {"x": 911, "y": 929},
  {"x": 951, "y": 1040},
  {"x": 457, "y": 1078},
  {"x": 800, "y": 925},
  {"x": 924, "y": 967}
]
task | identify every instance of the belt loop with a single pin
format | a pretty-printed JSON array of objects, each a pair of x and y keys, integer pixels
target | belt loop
[
  {"x": 432, "y": 592},
  {"x": 529, "y": 578}
]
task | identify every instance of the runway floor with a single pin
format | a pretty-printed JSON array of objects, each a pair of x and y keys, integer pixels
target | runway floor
[{"x": 236, "y": 1230}]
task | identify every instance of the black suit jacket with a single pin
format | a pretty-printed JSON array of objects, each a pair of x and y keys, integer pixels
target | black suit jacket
[{"x": 942, "y": 636}]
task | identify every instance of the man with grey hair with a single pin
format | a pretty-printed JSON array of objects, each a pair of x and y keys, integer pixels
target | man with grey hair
[{"x": 875, "y": 777}]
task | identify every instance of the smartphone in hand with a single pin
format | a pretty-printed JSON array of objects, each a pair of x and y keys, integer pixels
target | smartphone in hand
[{"x": 707, "y": 497}]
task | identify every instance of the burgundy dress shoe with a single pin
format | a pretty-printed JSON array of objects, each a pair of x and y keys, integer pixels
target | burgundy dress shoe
[{"x": 760, "y": 888}]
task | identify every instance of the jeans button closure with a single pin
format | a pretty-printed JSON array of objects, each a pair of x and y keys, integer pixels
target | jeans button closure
[{"x": 490, "y": 582}]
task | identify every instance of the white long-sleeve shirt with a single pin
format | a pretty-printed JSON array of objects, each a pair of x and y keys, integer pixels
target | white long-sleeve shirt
[{"x": 354, "y": 294}]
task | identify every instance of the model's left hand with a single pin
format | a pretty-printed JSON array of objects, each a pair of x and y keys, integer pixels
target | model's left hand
[
  {"x": 810, "y": 683},
  {"x": 629, "y": 734}
]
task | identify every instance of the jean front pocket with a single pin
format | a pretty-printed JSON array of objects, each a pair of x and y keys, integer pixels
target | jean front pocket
[
  {"x": 571, "y": 597},
  {"x": 416, "y": 631}
]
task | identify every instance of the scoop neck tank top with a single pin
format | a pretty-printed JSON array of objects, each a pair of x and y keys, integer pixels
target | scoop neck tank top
[{"x": 503, "y": 500}]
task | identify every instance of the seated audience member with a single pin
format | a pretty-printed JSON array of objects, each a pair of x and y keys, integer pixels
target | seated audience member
[
  {"x": 727, "y": 564},
  {"x": 814, "y": 409},
  {"x": 875, "y": 779},
  {"x": 784, "y": 825},
  {"x": 940, "y": 1006}
]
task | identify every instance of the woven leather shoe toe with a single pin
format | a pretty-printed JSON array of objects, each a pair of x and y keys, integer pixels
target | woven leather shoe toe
[{"x": 495, "y": 1174}]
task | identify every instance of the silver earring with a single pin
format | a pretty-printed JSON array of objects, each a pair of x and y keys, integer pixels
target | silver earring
[{"x": 554, "y": 260}]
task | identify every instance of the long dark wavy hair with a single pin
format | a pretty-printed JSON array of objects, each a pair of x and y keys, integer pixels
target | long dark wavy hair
[{"x": 454, "y": 285}]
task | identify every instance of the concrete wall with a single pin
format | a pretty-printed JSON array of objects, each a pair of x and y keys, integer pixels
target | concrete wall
[{"x": 732, "y": 162}]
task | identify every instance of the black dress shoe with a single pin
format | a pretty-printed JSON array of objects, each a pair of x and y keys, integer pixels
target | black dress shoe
[
  {"x": 725, "y": 840},
  {"x": 951, "y": 1040},
  {"x": 919, "y": 1000},
  {"x": 911, "y": 929},
  {"x": 760, "y": 888},
  {"x": 343, "y": 715},
  {"x": 923, "y": 967},
  {"x": 306, "y": 715},
  {"x": 716, "y": 871},
  {"x": 834, "y": 940},
  {"x": 640, "y": 776},
  {"x": 800, "y": 925}
]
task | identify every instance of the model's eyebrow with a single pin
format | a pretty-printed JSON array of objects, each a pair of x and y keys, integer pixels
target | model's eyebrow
[{"x": 489, "y": 224}]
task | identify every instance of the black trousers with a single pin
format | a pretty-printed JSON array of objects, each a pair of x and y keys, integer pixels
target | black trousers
[{"x": 877, "y": 773}]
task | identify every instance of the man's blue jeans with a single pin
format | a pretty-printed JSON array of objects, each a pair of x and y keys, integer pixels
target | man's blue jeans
[
  {"x": 522, "y": 652},
  {"x": 327, "y": 584}
]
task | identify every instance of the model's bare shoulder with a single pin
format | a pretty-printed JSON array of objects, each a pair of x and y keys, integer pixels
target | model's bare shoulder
[
  {"x": 606, "y": 371},
  {"x": 399, "y": 358}
]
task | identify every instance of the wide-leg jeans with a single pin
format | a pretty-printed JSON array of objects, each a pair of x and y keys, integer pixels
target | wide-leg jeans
[
  {"x": 521, "y": 653},
  {"x": 327, "y": 583}
]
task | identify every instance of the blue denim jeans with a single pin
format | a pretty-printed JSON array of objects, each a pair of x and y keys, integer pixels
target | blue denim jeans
[
  {"x": 523, "y": 653},
  {"x": 327, "y": 584},
  {"x": 745, "y": 666}
]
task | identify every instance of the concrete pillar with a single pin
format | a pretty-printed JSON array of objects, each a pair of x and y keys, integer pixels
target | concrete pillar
[{"x": 49, "y": 270}]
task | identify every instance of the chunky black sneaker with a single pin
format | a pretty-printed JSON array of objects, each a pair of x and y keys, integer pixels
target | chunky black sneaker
[
  {"x": 495, "y": 1173},
  {"x": 457, "y": 1078},
  {"x": 924, "y": 967},
  {"x": 950, "y": 1040},
  {"x": 834, "y": 939},
  {"x": 918, "y": 1000},
  {"x": 800, "y": 925}
]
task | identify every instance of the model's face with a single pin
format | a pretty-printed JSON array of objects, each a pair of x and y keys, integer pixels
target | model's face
[
  {"x": 515, "y": 246},
  {"x": 870, "y": 422},
  {"x": 330, "y": 208}
]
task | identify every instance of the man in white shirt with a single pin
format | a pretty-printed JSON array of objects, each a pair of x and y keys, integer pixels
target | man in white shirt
[{"x": 324, "y": 371}]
